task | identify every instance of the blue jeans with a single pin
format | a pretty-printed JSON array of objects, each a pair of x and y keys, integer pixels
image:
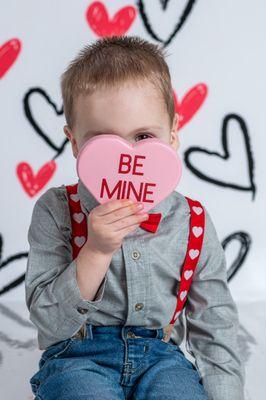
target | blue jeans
[{"x": 116, "y": 362}]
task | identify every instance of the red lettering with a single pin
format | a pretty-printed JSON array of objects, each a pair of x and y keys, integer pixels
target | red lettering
[
  {"x": 145, "y": 200},
  {"x": 105, "y": 186},
  {"x": 125, "y": 160},
  {"x": 126, "y": 190},
  {"x": 137, "y": 165},
  {"x": 126, "y": 163}
]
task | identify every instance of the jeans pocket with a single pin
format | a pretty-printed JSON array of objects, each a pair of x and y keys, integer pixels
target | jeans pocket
[
  {"x": 55, "y": 350},
  {"x": 170, "y": 345}
]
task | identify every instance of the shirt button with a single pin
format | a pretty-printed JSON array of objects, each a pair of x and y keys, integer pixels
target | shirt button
[
  {"x": 82, "y": 310},
  {"x": 139, "y": 306},
  {"x": 135, "y": 255}
]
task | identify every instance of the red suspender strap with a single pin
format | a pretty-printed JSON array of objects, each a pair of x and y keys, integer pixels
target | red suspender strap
[
  {"x": 78, "y": 220},
  {"x": 195, "y": 240}
]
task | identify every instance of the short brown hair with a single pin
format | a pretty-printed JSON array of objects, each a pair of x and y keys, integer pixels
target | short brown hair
[{"x": 113, "y": 60}]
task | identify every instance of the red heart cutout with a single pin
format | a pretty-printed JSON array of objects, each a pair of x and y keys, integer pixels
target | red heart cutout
[
  {"x": 8, "y": 54},
  {"x": 190, "y": 103},
  {"x": 102, "y": 25},
  {"x": 31, "y": 183}
]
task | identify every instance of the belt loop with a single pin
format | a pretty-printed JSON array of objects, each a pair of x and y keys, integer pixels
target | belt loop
[
  {"x": 160, "y": 333},
  {"x": 89, "y": 334}
]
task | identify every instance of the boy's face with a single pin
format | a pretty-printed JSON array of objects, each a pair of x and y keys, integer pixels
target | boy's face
[{"x": 134, "y": 111}]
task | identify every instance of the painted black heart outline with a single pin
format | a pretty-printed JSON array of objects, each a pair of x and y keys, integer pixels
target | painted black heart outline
[
  {"x": 5, "y": 263},
  {"x": 187, "y": 10},
  {"x": 34, "y": 123},
  {"x": 225, "y": 156},
  {"x": 245, "y": 242}
]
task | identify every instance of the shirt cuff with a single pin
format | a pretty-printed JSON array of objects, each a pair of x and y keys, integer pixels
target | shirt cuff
[
  {"x": 223, "y": 387},
  {"x": 69, "y": 296}
]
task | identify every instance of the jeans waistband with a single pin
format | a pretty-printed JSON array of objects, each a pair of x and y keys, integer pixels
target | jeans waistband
[{"x": 122, "y": 330}]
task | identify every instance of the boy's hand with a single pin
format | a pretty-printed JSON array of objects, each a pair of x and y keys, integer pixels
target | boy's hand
[{"x": 108, "y": 223}]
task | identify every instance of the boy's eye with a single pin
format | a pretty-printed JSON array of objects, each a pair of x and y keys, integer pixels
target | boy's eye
[{"x": 144, "y": 134}]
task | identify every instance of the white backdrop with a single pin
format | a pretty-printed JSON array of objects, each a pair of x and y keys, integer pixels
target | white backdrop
[{"x": 218, "y": 65}]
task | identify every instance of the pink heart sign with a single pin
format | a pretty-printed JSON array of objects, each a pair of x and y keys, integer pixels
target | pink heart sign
[{"x": 112, "y": 168}]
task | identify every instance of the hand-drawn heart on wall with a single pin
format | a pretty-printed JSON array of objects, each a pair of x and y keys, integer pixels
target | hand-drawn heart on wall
[
  {"x": 38, "y": 94},
  {"x": 190, "y": 104},
  {"x": 9, "y": 52},
  {"x": 181, "y": 19},
  {"x": 101, "y": 24},
  {"x": 231, "y": 165},
  {"x": 33, "y": 183}
]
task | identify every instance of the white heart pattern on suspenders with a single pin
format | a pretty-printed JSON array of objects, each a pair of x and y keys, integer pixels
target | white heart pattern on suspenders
[{"x": 195, "y": 241}]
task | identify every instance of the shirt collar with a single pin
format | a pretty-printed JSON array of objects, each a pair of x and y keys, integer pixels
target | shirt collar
[{"x": 88, "y": 201}]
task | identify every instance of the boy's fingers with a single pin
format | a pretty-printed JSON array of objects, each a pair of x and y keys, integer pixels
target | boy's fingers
[
  {"x": 112, "y": 205},
  {"x": 132, "y": 220},
  {"x": 122, "y": 213}
]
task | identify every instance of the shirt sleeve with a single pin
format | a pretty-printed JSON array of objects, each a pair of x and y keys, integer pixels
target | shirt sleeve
[
  {"x": 52, "y": 293},
  {"x": 212, "y": 323}
]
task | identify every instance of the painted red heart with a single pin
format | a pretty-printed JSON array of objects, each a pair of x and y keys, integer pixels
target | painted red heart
[
  {"x": 99, "y": 21},
  {"x": 9, "y": 52},
  {"x": 190, "y": 103},
  {"x": 31, "y": 183}
]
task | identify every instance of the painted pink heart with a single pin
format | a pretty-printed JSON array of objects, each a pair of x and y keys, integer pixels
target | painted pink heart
[
  {"x": 31, "y": 183},
  {"x": 9, "y": 52},
  {"x": 190, "y": 103},
  {"x": 112, "y": 168},
  {"x": 99, "y": 21}
]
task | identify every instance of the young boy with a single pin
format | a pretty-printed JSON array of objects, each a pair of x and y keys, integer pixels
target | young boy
[{"x": 101, "y": 316}]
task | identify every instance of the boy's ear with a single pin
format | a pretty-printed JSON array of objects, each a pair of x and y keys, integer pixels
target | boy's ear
[
  {"x": 175, "y": 133},
  {"x": 72, "y": 139}
]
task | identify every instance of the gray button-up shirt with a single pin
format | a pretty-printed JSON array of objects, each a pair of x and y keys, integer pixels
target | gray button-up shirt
[{"x": 139, "y": 288}]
